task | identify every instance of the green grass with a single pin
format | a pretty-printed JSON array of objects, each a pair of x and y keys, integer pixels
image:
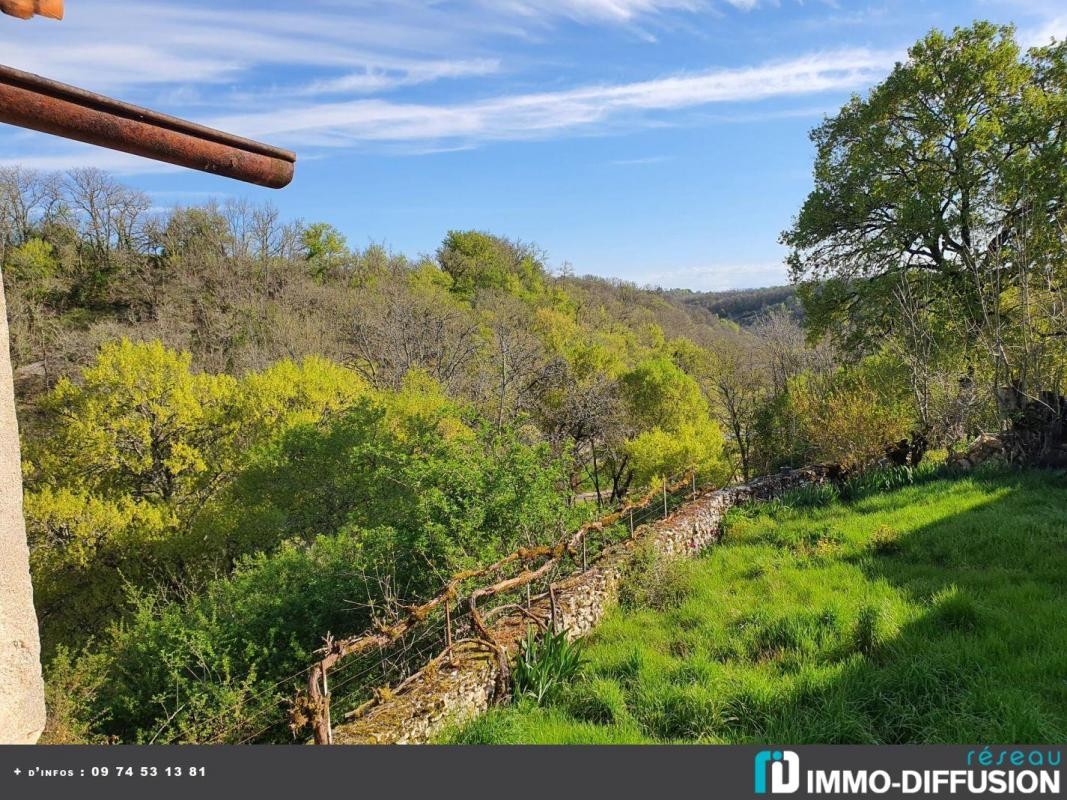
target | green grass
[{"x": 929, "y": 613}]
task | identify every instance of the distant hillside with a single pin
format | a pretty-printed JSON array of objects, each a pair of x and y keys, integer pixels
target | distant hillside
[{"x": 743, "y": 306}]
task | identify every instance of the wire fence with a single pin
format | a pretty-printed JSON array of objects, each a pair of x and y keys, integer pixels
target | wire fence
[{"x": 356, "y": 673}]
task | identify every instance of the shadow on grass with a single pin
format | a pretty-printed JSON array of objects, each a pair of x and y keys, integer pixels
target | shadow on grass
[
  {"x": 985, "y": 657},
  {"x": 929, "y": 614}
]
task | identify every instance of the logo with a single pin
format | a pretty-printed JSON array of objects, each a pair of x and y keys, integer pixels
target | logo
[{"x": 784, "y": 769}]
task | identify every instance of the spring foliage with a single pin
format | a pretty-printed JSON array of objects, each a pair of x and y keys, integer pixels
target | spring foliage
[{"x": 241, "y": 433}]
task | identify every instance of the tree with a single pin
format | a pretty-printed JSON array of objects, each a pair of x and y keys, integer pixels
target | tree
[
  {"x": 478, "y": 261},
  {"x": 326, "y": 247},
  {"x": 673, "y": 424},
  {"x": 452, "y": 495},
  {"x": 740, "y": 382},
  {"x": 512, "y": 359},
  {"x": 411, "y": 327},
  {"x": 139, "y": 423},
  {"x": 85, "y": 551},
  {"x": 129, "y": 489},
  {"x": 952, "y": 168}
]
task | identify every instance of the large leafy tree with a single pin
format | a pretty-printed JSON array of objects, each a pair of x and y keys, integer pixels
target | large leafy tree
[
  {"x": 478, "y": 261},
  {"x": 124, "y": 491},
  {"x": 945, "y": 186},
  {"x": 673, "y": 427}
]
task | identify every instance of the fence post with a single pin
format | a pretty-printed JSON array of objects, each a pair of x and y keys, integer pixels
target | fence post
[
  {"x": 665, "y": 498},
  {"x": 631, "y": 523},
  {"x": 552, "y": 605},
  {"x": 694, "y": 485},
  {"x": 329, "y": 719},
  {"x": 585, "y": 558},
  {"x": 320, "y": 705},
  {"x": 448, "y": 633}
]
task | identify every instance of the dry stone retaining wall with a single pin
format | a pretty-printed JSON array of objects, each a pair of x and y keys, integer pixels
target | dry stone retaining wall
[{"x": 446, "y": 694}]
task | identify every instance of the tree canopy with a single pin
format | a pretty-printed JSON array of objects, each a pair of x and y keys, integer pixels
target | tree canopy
[{"x": 940, "y": 198}]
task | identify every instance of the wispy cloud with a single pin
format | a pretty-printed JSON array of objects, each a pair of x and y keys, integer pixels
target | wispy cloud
[
  {"x": 538, "y": 115},
  {"x": 76, "y": 156},
  {"x": 372, "y": 45},
  {"x": 117, "y": 46},
  {"x": 382, "y": 79},
  {"x": 337, "y": 75},
  {"x": 589, "y": 109},
  {"x": 597, "y": 10},
  {"x": 1043, "y": 34}
]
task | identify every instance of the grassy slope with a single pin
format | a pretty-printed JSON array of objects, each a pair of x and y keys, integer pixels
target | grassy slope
[{"x": 934, "y": 613}]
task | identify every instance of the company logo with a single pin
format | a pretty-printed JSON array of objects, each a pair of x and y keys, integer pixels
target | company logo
[
  {"x": 784, "y": 768},
  {"x": 1009, "y": 772}
]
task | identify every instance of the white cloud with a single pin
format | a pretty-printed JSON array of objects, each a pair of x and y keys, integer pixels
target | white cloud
[
  {"x": 430, "y": 128},
  {"x": 379, "y": 80},
  {"x": 1054, "y": 28},
  {"x": 538, "y": 115},
  {"x": 111, "y": 46},
  {"x": 721, "y": 277},
  {"x": 596, "y": 10},
  {"x": 322, "y": 63},
  {"x": 86, "y": 156},
  {"x": 375, "y": 45}
]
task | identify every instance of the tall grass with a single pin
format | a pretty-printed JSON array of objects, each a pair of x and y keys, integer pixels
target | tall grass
[{"x": 924, "y": 609}]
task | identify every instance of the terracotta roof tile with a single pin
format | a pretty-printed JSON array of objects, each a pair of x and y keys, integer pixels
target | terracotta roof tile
[{"x": 24, "y": 9}]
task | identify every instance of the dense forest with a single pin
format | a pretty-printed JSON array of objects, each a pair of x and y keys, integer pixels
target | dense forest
[
  {"x": 240, "y": 433},
  {"x": 743, "y": 306}
]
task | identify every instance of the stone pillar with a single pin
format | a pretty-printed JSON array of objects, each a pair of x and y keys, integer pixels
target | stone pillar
[{"x": 21, "y": 685}]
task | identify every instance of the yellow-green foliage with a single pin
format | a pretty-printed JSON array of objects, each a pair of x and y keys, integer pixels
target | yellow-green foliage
[
  {"x": 289, "y": 394},
  {"x": 422, "y": 405},
  {"x": 138, "y": 422},
  {"x": 657, "y": 454},
  {"x": 84, "y": 549},
  {"x": 674, "y": 428},
  {"x": 122, "y": 491},
  {"x": 557, "y": 329},
  {"x": 33, "y": 262},
  {"x": 849, "y": 418}
]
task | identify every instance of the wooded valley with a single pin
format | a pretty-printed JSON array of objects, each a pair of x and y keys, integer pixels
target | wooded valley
[{"x": 240, "y": 432}]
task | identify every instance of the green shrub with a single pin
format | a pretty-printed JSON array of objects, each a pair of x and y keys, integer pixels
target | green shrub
[
  {"x": 216, "y": 668},
  {"x": 654, "y": 580},
  {"x": 72, "y": 684},
  {"x": 849, "y": 417}
]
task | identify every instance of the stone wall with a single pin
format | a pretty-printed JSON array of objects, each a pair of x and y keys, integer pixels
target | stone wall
[
  {"x": 22, "y": 696},
  {"x": 446, "y": 694}
]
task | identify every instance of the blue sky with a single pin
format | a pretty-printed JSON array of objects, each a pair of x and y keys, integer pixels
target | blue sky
[{"x": 659, "y": 141}]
